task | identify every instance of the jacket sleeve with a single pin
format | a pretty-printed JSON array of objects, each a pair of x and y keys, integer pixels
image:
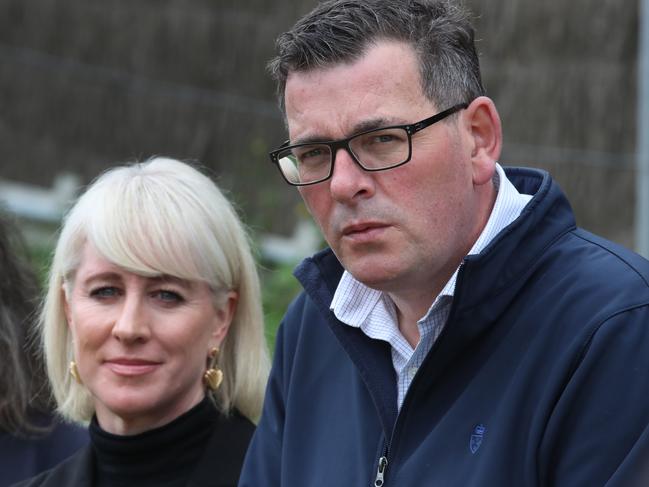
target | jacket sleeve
[
  {"x": 598, "y": 433},
  {"x": 263, "y": 463}
]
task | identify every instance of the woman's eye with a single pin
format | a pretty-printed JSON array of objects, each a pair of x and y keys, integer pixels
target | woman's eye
[
  {"x": 168, "y": 296},
  {"x": 104, "y": 292}
]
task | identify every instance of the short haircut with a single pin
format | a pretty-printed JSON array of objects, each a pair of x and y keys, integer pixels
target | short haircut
[
  {"x": 161, "y": 217},
  {"x": 341, "y": 31}
]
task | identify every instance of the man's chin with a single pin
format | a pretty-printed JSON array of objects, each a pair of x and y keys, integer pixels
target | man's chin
[{"x": 373, "y": 273}]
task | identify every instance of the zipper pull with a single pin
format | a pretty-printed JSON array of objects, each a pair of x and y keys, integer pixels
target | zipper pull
[{"x": 383, "y": 463}]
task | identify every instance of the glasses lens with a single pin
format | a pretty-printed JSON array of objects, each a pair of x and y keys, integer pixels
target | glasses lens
[
  {"x": 382, "y": 148},
  {"x": 305, "y": 163}
]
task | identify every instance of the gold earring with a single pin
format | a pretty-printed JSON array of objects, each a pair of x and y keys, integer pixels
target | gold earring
[
  {"x": 74, "y": 372},
  {"x": 213, "y": 376}
]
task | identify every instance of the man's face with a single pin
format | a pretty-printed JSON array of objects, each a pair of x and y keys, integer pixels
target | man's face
[{"x": 406, "y": 229}]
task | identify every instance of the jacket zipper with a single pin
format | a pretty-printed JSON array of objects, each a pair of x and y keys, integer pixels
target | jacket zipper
[
  {"x": 379, "y": 481},
  {"x": 380, "y": 472}
]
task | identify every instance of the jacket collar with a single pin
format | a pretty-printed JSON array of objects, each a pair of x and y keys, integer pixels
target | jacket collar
[
  {"x": 487, "y": 282},
  {"x": 494, "y": 274}
]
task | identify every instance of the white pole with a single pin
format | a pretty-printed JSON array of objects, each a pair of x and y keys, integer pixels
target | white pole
[{"x": 642, "y": 136}]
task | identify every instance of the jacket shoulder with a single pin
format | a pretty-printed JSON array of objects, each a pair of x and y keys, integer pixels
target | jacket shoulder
[
  {"x": 616, "y": 258},
  {"x": 75, "y": 470}
]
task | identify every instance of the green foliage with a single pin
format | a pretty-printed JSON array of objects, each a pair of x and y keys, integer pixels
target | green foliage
[
  {"x": 279, "y": 287},
  {"x": 40, "y": 258}
]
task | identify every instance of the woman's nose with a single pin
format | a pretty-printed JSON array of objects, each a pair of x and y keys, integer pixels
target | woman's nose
[{"x": 132, "y": 323}]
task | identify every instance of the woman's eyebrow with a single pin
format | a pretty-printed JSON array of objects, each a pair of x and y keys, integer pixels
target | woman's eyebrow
[
  {"x": 109, "y": 276},
  {"x": 167, "y": 279}
]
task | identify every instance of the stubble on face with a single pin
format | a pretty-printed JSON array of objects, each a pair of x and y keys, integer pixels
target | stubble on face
[{"x": 400, "y": 230}]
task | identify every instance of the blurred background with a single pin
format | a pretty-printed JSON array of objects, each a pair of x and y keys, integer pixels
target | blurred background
[{"x": 86, "y": 84}]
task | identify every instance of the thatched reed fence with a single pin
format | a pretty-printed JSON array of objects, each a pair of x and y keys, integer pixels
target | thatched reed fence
[{"x": 87, "y": 83}]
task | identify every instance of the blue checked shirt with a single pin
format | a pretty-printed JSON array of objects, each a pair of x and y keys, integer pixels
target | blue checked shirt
[{"x": 375, "y": 314}]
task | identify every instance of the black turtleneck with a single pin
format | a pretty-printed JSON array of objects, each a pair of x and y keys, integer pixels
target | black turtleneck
[{"x": 164, "y": 457}]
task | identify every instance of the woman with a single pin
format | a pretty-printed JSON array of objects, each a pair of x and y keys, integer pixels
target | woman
[
  {"x": 152, "y": 330},
  {"x": 32, "y": 439}
]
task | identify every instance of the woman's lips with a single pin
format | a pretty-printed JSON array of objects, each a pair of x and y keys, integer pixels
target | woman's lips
[{"x": 131, "y": 367}]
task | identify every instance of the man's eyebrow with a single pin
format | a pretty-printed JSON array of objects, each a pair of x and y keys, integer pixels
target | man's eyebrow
[
  {"x": 374, "y": 123},
  {"x": 364, "y": 126},
  {"x": 309, "y": 139}
]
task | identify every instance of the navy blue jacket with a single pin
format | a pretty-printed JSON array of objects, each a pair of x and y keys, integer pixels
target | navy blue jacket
[
  {"x": 22, "y": 458},
  {"x": 540, "y": 377}
]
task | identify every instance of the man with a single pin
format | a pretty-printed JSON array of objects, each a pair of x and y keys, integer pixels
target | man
[{"x": 460, "y": 330}]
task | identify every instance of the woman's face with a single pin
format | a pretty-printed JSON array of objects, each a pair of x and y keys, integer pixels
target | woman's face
[{"x": 141, "y": 343}]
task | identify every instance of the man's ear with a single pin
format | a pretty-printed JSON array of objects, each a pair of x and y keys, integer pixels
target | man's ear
[{"x": 482, "y": 124}]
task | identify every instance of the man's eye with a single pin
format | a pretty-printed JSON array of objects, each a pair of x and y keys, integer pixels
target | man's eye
[
  {"x": 384, "y": 138},
  {"x": 315, "y": 155},
  {"x": 387, "y": 137}
]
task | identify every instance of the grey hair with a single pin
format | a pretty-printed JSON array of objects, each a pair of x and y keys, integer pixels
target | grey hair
[
  {"x": 161, "y": 217},
  {"x": 341, "y": 31}
]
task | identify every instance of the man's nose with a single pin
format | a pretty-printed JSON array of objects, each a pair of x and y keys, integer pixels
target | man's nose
[{"x": 349, "y": 180}]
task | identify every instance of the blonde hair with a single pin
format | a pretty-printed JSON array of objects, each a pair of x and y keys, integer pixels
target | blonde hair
[{"x": 153, "y": 218}]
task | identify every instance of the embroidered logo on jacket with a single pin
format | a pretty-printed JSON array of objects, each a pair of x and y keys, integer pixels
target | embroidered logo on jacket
[{"x": 476, "y": 438}]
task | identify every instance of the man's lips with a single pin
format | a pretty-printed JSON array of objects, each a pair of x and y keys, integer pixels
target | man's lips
[
  {"x": 363, "y": 231},
  {"x": 131, "y": 366}
]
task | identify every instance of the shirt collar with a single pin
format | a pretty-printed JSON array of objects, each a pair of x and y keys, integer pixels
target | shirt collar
[{"x": 353, "y": 301}]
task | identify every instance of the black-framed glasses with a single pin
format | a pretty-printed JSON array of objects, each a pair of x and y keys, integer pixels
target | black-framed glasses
[{"x": 373, "y": 150}]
